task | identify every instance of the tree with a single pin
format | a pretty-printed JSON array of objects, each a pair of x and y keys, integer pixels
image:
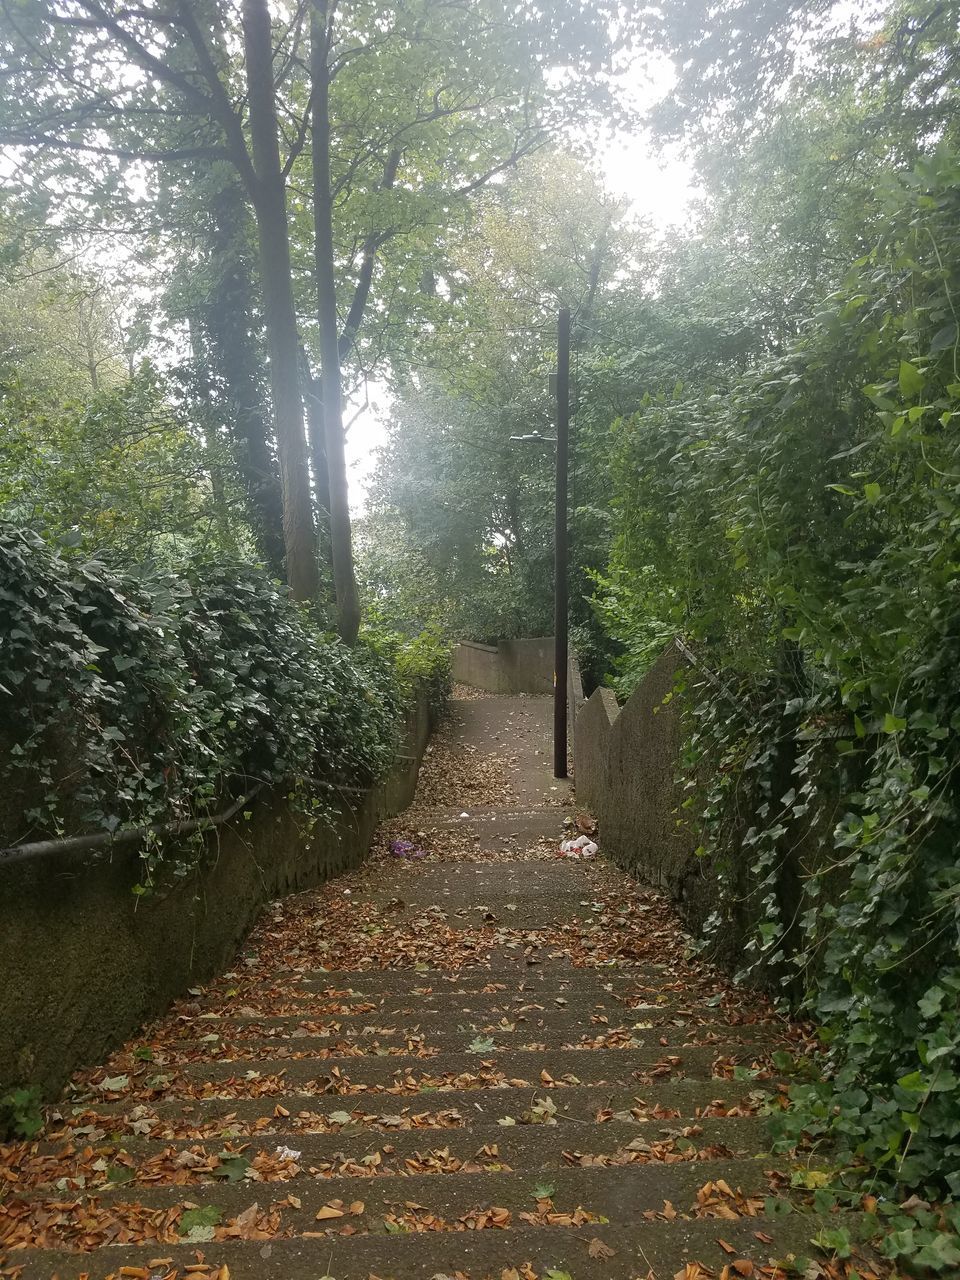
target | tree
[
  {"x": 212, "y": 290},
  {"x": 60, "y": 329},
  {"x": 475, "y": 506},
  {"x": 415, "y": 109},
  {"x": 126, "y": 87},
  {"x": 266, "y": 184},
  {"x": 331, "y": 401},
  {"x": 419, "y": 105}
]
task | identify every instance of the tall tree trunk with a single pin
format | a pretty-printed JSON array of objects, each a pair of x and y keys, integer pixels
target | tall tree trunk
[
  {"x": 341, "y": 539},
  {"x": 318, "y": 459},
  {"x": 229, "y": 321},
  {"x": 270, "y": 207},
  {"x": 209, "y": 430}
]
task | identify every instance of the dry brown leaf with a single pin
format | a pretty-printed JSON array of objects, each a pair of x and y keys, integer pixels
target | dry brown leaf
[{"x": 597, "y": 1249}]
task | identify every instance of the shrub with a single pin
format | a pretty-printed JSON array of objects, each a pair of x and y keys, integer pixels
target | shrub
[
  {"x": 424, "y": 659},
  {"x": 802, "y": 529},
  {"x": 132, "y": 700}
]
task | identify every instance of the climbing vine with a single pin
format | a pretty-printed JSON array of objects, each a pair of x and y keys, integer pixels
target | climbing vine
[
  {"x": 131, "y": 700},
  {"x": 801, "y": 528}
]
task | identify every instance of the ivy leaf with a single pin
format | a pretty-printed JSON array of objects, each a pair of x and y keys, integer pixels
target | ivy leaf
[
  {"x": 944, "y": 338},
  {"x": 929, "y": 1003},
  {"x": 834, "y": 1240},
  {"x": 481, "y": 1044},
  {"x": 911, "y": 380},
  {"x": 939, "y": 1251},
  {"x": 196, "y": 1225},
  {"x": 232, "y": 1168},
  {"x": 893, "y": 724}
]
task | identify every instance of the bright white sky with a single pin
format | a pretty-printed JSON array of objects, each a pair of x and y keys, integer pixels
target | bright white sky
[{"x": 659, "y": 189}]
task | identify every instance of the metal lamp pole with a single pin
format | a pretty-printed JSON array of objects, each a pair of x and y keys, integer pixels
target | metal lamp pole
[
  {"x": 561, "y": 381},
  {"x": 561, "y": 548}
]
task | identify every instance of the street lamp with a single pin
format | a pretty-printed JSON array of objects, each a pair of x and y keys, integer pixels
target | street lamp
[
  {"x": 534, "y": 437},
  {"x": 561, "y": 539}
]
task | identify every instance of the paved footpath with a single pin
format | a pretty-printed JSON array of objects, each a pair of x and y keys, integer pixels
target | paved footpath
[{"x": 469, "y": 1058}]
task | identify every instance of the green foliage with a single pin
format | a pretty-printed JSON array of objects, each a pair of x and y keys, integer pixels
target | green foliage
[
  {"x": 420, "y": 661},
  {"x": 626, "y": 605},
  {"x": 426, "y": 660},
  {"x": 468, "y": 512},
  {"x": 802, "y": 529},
  {"x": 197, "y": 1225},
  {"x": 130, "y": 700},
  {"x": 20, "y": 1114},
  {"x": 119, "y": 472},
  {"x": 59, "y": 327}
]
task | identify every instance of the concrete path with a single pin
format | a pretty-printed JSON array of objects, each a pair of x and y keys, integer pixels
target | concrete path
[{"x": 470, "y": 1058}]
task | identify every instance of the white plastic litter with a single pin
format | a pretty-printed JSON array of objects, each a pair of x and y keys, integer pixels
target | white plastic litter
[{"x": 582, "y": 847}]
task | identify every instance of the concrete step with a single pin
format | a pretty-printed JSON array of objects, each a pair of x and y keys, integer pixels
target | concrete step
[
  {"x": 520, "y": 978},
  {"x": 513, "y": 827},
  {"x": 528, "y": 1069},
  {"x": 644, "y": 1247},
  {"x": 669, "y": 1100},
  {"x": 257, "y": 1042},
  {"x": 619, "y": 1194},
  {"x": 440, "y": 884},
  {"x": 489, "y": 1004},
  {"x": 356, "y": 1151},
  {"x": 566, "y": 1022},
  {"x": 567, "y": 1007}
]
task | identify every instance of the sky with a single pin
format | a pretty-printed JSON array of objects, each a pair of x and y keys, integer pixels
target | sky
[{"x": 659, "y": 188}]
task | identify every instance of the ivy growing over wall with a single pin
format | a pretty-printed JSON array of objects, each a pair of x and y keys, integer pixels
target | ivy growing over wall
[
  {"x": 802, "y": 530},
  {"x": 129, "y": 700}
]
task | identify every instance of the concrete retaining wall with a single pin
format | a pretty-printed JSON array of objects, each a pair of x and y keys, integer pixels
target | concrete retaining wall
[
  {"x": 640, "y": 798},
  {"x": 513, "y": 666},
  {"x": 85, "y": 963},
  {"x": 625, "y": 764}
]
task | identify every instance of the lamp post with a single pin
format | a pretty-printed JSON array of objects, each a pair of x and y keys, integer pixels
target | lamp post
[
  {"x": 561, "y": 541},
  {"x": 561, "y": 548}
]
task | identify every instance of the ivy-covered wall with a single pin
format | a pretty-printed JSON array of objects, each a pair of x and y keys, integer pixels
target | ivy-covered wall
[
  {"x": 630, "y": 772},
  {"x": 85, "y": 961}
]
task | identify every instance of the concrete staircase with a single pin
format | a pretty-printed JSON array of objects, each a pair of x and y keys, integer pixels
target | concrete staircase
[{"x": 488, "y": 1062}]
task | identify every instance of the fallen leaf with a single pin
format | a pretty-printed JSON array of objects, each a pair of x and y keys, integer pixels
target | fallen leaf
[{"x": 597, "y": 1249}]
